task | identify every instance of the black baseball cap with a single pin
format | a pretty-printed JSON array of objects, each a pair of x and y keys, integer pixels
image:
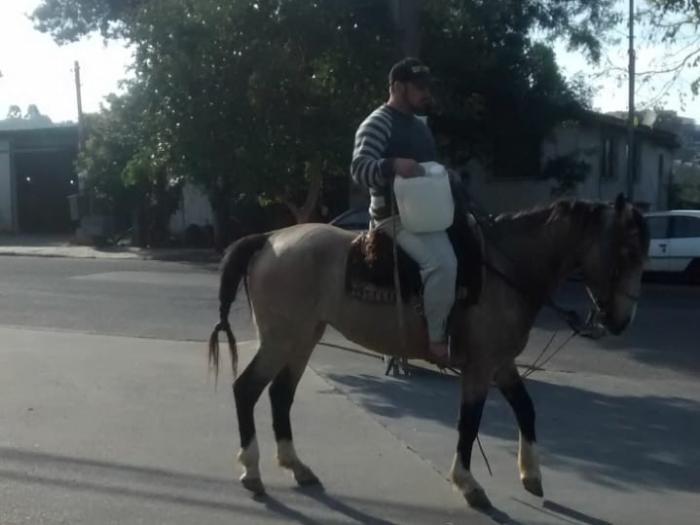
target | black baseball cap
[{"x": 411, "y": 70}]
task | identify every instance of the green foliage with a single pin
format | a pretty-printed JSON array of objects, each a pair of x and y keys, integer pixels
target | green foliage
[
  {"x": 127, "y": 165},
  {"x": 262, "y": 97},
  {"x": 500, "y": 82},
  {"x": 568, "y": 171}
]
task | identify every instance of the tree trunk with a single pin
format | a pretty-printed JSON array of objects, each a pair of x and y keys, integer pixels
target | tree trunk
[
  {"x": 219, "y": 200},
  {"x": 314, "y": 173},
  {"x": 406, "y": 15}
]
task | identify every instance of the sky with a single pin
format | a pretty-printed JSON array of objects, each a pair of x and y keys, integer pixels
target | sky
[{"x": 35, "y": 70}]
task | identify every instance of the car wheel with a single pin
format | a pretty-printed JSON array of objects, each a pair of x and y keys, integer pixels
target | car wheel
[{"x": 692, "y": 272}]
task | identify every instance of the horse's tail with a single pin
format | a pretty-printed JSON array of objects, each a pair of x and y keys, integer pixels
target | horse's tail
[{"x": 234, "y": 267}]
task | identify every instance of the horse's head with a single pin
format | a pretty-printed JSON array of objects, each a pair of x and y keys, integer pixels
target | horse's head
[{"x": 613, "y": 262}]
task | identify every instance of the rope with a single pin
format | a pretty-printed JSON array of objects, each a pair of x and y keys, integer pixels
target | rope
[
  {"x": 397, "y": 285},
  {"x": 483, "y": 455},
  {"x": 535, "y": 365}
]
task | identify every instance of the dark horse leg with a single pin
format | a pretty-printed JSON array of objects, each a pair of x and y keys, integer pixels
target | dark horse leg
[
  {"x": 513, "y": 389},
  {"x": 474, "y": 391},
  {"x": 246, "y": 392},
  {"x": 281, "y": 361},
  {"x": 282, "y": 393}
]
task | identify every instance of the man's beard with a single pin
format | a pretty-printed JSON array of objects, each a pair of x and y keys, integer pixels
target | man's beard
[{"x": 421, "y": 109}]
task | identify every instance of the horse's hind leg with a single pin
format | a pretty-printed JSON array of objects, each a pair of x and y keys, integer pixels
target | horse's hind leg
[
  {"x": 513, "y": 389},
  {"x": 282, "y": 393},
  {"x": 246, "y": 391}
]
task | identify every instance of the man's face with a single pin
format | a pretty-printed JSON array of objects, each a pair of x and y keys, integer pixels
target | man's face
[{"x": 417, "y": 96}]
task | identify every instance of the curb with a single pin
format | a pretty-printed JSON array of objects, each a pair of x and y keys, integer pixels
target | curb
[{"x": 80, "y": 253}]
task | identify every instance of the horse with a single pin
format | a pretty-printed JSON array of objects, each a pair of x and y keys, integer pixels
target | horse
[{"x": 295, "y": 277}]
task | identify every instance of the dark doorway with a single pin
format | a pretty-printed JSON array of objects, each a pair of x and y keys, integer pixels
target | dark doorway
[{"x": 44, "y": 181}]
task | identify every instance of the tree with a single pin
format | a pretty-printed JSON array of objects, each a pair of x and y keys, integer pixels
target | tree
[
  {"x": 14, "y": 112},
  {"x": 69, "y": 20},
  {"x": 252, "y": 97},
  {"x": 263, "y": 97},
  {"x": 34, "y": 115},
  {"x": 670, "y": 28},
  {"x": 503, "y": 86},
  {"x": 127, "y": 165},
  {"x": 32, "y": 118}
]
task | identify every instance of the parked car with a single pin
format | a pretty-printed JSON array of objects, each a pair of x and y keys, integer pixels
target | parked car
[
  {"x": 354, "y": 219},
  {"x": 675, "y": 243}
]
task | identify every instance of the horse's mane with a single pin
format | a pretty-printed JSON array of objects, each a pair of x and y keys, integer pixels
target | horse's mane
[
  {"x": 582, "y": 215},
  {"x": 580, "y": 212}
]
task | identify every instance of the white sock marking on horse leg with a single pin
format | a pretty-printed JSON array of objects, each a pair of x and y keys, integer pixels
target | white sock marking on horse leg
[
  {"x": 286, "y": 455},
  {"x": 249, "y": 457},
  {"x": 462, "y": 478},
  {"x": 528, "y": 460},
  {"x": 287, "y": 458}
]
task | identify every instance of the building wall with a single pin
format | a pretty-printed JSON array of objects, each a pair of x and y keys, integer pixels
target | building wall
[
  {"x": 194, "y": 209},
  {"x": 7, "y": 208},
  {"x": 498, "y": 195}
]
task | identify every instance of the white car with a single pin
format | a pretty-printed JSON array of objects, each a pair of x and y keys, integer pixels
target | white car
[{"x": 675, "y": 243}]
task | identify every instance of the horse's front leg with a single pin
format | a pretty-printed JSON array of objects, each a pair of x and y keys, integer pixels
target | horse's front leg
[
  {"x": 513, "y": 389},
  {"x": 474, "y": 391}
]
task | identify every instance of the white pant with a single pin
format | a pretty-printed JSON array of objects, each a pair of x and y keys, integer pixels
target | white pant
[{"x": 438, "y": 269}]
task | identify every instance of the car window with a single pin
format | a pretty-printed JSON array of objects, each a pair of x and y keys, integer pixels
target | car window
[
  {"x": 685, "y": 227},
  {"x": 357, "y": 219},
  {"x": 658, "y": 227}
]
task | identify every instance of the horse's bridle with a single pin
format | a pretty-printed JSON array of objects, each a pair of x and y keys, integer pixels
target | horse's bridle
[
  {"x": 612, "y": 289},
  {"x": 570, "y": 316}
]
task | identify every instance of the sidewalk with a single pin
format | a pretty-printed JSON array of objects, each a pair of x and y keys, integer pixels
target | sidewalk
[
  {"x": 61, "y": 246},
  {"x": 100, "y": 429}
]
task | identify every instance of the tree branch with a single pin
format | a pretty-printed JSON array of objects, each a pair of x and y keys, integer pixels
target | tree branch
[
  {"x": 671, "y": 69},
  {"x": 304, "y": 212}
]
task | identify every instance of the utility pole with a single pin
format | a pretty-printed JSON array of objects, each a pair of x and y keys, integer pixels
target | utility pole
[
  {"x": 79, "y": 98},
  {"x": 631, "y": 156}
]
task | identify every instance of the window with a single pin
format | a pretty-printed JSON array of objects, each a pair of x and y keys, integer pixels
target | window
[
  {"x": 685, "y": 227},
  {"x": 637, "y": 151},
  {"x": 353, "y": 220},
  {"x": 636, "y": 159},
  {"x": 658, "y": 227},
  {"x": 607, "y": 159}
]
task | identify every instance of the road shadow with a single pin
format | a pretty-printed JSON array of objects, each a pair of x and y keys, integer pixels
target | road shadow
[
  {"x": 135, "y": 484},
  {"x": 644, "y": 441},
  {"x": 663, "y": 333}
]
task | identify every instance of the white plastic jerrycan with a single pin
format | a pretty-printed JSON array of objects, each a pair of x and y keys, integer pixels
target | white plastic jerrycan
[{"x": 425, "y": 203}]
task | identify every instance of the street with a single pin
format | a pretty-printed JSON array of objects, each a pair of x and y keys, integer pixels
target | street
[{"x": 107, "y": 414}]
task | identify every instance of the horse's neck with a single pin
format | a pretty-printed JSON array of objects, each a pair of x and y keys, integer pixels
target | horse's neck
[{"x": 539, "y": 257}]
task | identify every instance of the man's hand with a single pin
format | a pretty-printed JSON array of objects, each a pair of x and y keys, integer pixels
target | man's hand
[{"x": 407, "y": 168}]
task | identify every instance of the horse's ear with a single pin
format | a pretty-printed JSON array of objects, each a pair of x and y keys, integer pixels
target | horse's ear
[{"x": 620, "y": 203}]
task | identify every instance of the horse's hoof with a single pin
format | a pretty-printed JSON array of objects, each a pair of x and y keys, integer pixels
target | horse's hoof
[
  {"x": 533, "y": 486},
  {"x": 477, "y": 499},
  {"x": 254, "y": 485},
  {"x": 306, "y": 478}
]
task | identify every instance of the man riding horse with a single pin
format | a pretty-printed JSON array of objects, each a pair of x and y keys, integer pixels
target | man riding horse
[
  {"x": 391, "y": 142},
  {"x": 298, "y": 279}
]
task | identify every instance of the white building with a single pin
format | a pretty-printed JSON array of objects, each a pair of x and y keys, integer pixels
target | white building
[{"x": 601, "y": 142}]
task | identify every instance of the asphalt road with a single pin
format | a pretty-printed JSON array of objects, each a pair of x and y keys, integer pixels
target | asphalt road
[
  {"x": 107, "y": 417},
  {"x": 177, "y": 301}
]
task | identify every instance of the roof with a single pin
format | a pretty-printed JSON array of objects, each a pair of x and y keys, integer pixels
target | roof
[
  {"x": 464, "y": 128},
  {"x": 664, "y": 138},
  {"x": 58, "y": 136}
]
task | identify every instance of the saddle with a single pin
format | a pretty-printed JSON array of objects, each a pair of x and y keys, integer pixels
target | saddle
[{"x": 369, "y": 274}]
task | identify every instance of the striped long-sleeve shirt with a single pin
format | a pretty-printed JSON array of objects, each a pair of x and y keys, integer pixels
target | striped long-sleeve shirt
[{"x": 387, "y": 134}]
